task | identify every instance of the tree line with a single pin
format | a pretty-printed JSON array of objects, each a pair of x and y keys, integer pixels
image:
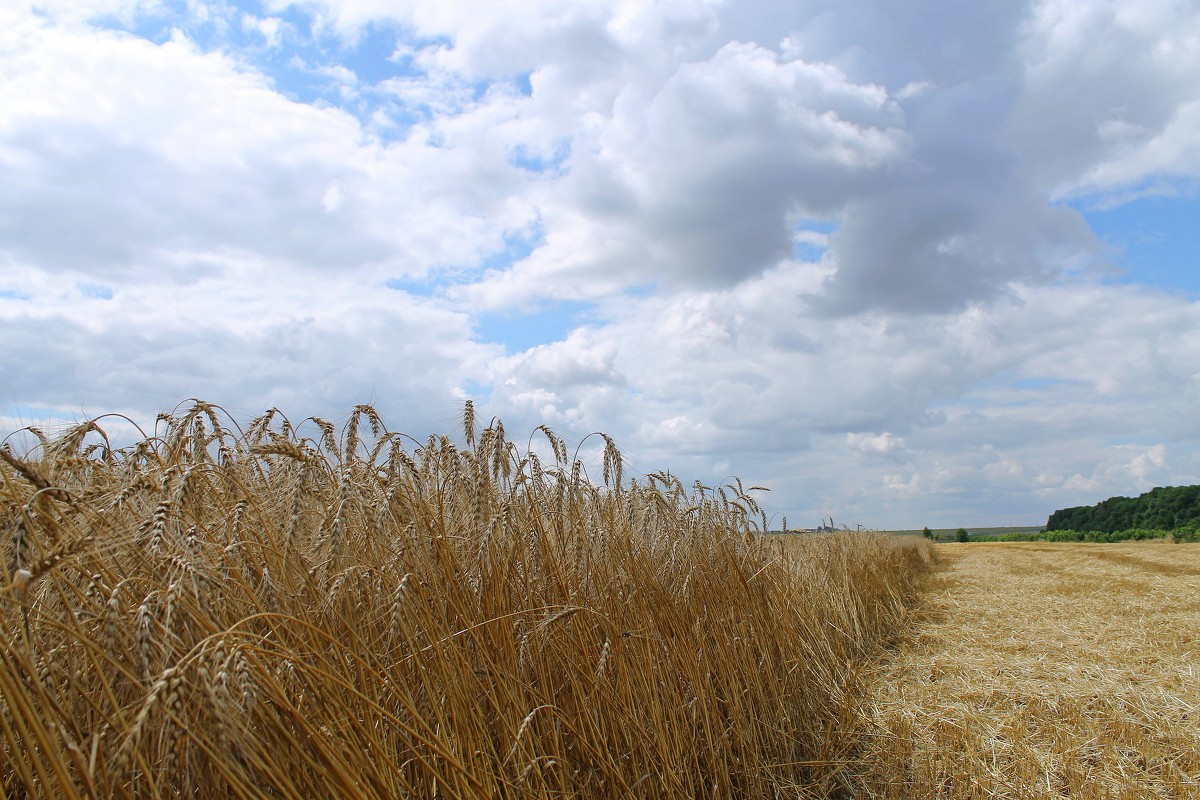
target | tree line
[{"x": 1164, "y": 508}]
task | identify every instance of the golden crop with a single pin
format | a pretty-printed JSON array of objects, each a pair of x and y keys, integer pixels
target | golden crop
[{"x": 284, "y": 612}]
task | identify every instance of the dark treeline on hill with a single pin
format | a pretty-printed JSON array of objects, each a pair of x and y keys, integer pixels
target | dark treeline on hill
[{"x": 1164, "y": 508}]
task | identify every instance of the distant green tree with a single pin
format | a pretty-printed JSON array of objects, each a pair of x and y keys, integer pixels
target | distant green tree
[
  {"x": 928, "y": 534},
  {"x": 961, "y": 535},
  {"x": 1162, "y": 508}
]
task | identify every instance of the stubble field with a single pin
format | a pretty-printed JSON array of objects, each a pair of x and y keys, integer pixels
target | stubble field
[{"x": 1043, "y": 671}]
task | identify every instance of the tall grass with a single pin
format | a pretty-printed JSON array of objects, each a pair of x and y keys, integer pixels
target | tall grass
[{"x": 282, "y": 611}]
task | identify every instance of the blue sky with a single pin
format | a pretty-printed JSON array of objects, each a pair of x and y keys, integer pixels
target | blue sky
[
  {"x": 1155, "y": 240},
  {"x": 904, "y": 263}
]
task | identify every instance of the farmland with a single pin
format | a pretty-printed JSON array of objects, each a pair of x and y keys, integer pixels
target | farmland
[
  {"x": 295, "y": 611},
  {"x": 1044, "y": 671},
  {"x": 947, "y": 534}
]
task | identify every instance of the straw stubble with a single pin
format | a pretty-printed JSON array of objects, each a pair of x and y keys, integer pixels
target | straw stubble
[{"x": 1044, "y": 671}]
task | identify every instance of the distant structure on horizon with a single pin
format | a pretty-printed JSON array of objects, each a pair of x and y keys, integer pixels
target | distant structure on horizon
[{"x": 824, "y": 527}]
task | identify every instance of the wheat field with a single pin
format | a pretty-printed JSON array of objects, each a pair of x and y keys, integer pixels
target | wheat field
[
  {"x": 301, "y": 611},
  {"x": 1043, "y": 671}
]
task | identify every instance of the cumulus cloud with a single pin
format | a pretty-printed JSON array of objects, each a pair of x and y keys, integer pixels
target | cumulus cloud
[
  {"x": 317, "y": 350},
  {"x": 999, "y": 406},
  {"x": 117, "y": 151},
  {"x": 820, "y": 246},
  {"x": 699, "y": 182},
  {"x": 1115, "y": 84}
]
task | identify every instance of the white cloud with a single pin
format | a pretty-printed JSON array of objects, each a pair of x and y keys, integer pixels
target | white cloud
[
  {"x": 1149, "y": 462},
  {"x": 269, "y": 28},
  {"x": 990, "y": 409},
  {"x": 914, "y": 89},
  {"x": 697, "y": 181},
  {"x": 172, "y": 224},
  {"x": 319, "y": 347},
  {"x": 1157, "y": 157},
  {"x": 1116, "y": 85},
  {"x": 120, "y": 151},
  {"x": 877, "y": 445}
]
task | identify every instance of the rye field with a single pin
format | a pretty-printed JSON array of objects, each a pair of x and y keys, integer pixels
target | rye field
[{"x": 298, "y": 610}]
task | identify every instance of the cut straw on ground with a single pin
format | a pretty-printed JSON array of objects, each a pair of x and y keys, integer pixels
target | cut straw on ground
[{"x": 1043, "y": 671}]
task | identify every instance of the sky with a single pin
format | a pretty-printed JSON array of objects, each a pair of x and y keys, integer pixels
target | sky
[{"x": 903, "y": 262}]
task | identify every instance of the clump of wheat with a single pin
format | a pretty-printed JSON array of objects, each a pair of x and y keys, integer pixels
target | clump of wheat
[{"x": 285, "y": 612}]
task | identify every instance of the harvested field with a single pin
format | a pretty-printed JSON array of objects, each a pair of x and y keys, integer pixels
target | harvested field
[{"x": 1044, "y": 670}]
